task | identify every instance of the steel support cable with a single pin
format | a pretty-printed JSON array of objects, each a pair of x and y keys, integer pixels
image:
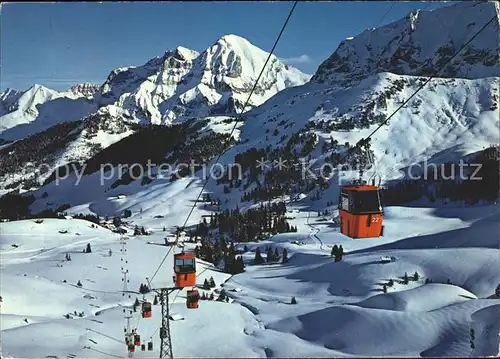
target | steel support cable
[
  {"x": 234, "y": 127},
  {"x": 364, "y": 140}
]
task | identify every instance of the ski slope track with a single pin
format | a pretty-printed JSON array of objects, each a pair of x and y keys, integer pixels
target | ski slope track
[{"x": 341, "y": 309}]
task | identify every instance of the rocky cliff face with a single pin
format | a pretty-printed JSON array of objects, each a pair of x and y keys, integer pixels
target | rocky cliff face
[{"x": 419, "y": 44}]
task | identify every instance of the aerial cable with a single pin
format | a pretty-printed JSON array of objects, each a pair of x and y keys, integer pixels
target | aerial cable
[
  {"x": 99, "y": 351},
  {"x": 365, "y": 140},
  {"x": 234, "y": 127}
]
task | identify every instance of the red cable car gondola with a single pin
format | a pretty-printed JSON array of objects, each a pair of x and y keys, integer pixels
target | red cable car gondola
[
  {"x": 137, "y": 339},
  {"x": 146, "y": 310},
  {"x": 360, "y": 211},
  {"x": 192, "y": 299},
  {"x": 131, "y": 348},
  {"x": 185, "y": 269}
]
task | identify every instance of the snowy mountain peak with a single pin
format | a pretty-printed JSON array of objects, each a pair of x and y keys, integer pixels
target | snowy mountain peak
[
  {"x": 418, "y": 45},
  {"x": 183, "y": 83},
  {"x": 186, "y": 54}
]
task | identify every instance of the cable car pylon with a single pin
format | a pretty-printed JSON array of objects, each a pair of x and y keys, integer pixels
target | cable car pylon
[
  {"x": 185, "y": 276},
  {"x": 127, "y": 313}
]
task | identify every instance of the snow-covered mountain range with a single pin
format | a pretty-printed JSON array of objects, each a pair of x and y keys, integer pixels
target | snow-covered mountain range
[
  {"x": 384, "y": 66},
  {"x": 419, "y": 44},
  {"x": 180, "y": 84},
  {"x": 183, "y": 83}
]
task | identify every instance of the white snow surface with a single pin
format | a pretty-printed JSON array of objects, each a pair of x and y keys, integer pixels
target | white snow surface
[{"x": 340, "y": 311}]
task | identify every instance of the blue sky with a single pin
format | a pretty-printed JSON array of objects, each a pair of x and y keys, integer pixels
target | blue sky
[{"x": 60, "y": 44}]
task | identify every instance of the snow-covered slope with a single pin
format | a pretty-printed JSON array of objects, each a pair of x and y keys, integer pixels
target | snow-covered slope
[
  {"x": 340, "y": 310},
  {"x": 419, "y": 44},
  {"x": 183, "y": 83},
  {"x": 180, "y": 84}
]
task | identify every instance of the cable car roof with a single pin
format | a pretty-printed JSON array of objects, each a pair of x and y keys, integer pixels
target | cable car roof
[
  {"x": 361, "y": 188},
  {"x": 185, "y": 255}
]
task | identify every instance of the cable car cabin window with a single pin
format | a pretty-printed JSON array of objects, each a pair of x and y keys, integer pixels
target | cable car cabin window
[
  {"x": 366, "y": 202},
  {"x": 185, "y": 265},
  {"x": 344, "y": 202}
]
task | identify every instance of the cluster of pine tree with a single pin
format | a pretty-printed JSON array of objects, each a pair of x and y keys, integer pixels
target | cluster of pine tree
[
  {"x": 144, "y": 288},
  {"x": 209, "y": 283},
  {"x": 37, "y": 149},
  {"x": 218, "y": 251},
  {"x": 271, "y": 256},
  {"x": 247, "y": 226},
  {"x": 274, "y": 181},
  {"x": 140, "y": 231},
  {"x": 337, "y": 252},
  {"x": 444, "y": 182}
]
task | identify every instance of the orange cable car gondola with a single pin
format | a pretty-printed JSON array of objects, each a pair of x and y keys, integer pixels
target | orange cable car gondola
[
  {"x": 360, "y": 211},
  {"x": 185, "y": 269},
  {"x": 146, "y": 310},
  {"x": 192, "y": 299},
  {"x": 137, "y": 339}
]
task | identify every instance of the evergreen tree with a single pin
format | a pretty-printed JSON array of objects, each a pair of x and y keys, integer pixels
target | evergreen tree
[
  {"x": 137, "y": 231},
  {"x": 341, "y": 252},
  {"x": 68, "y": 257},
  {"x": 88, "y": 249},
  {"x": 269, "y": 255},
  {"x": 211, "y": 296},
  {"x": 293, "y": 301},
  {"x": 258, "y": 257},
  {"x": 384, "y": 288},
  {"x": 405, "y": 278},
  {"x": 155, "y": 301},
  {"x": 285, "y": 256},
  {"x": 335, "y": 251},
  {"x": 415, "y": 276},
  {"x": 276, "y": 255},
  {"x": 497, "y": 291},
  {"x": 117, "y": 221},
  {"x": 390, "y": 283},
  {"x": 212, "y": 282},
  {"x": 79, "y": 283},
  {"x": 239, "y": 266},
  {"x": 206, "y": 285}
]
